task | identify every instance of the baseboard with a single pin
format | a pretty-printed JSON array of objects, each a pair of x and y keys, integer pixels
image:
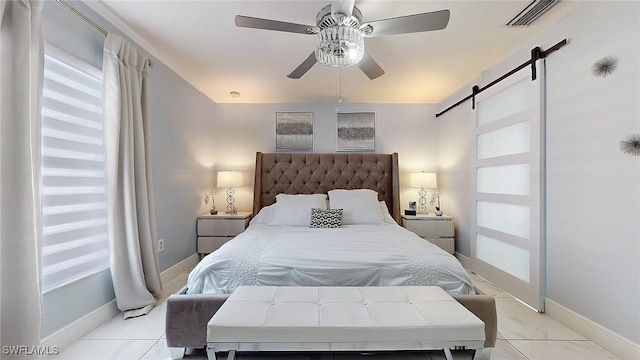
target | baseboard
[
  {"x": 179, "y": 268},
  {"x": 464, "y": 260},
  {"x": 79, "y": 328},
  {"x": 608, "y": 339}
]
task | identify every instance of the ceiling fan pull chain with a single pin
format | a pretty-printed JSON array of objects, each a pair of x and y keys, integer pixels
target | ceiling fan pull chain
[
  {"x": 340, "y": 89},
  {"x": 340, "y": 79}
]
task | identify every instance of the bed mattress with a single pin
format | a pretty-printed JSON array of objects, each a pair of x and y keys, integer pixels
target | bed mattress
[{"x": 353, "y": 255}]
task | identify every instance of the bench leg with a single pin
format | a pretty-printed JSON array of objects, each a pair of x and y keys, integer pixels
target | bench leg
[
  {"x": 447, "y": 354},
  {"x": 211, "y": 353},
  {"x": 482, "y": 354},
  {"x": 176, "y": 353}
]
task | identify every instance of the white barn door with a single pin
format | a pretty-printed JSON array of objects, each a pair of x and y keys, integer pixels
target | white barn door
[{"x": 507, "y": 246}]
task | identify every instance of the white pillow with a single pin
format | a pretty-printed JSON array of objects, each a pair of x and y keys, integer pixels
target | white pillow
[
  {"x": 295, "y": 210},
  {"x": 263, "y": 215},
  {"x": 359, "y": 206},
  {"x": 386, "y": 216}
]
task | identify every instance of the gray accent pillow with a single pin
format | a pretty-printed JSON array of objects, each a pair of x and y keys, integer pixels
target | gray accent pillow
[{"x": 326, "y": 218}]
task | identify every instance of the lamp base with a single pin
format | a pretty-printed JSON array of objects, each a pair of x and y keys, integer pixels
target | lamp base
[
  {"x": 422, "y": 208},
  {"x": 231, "y": 207},
  {"x": 213, "y": 211}
]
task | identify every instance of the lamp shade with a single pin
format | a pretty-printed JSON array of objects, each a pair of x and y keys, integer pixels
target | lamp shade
[
  {"x": 229, "y": 179},
  {"x": 423, "y": 180}
]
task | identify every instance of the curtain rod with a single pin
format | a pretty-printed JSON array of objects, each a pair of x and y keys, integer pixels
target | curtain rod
[
  {"x": 90, "y": 22},
  {"x": 536, "y": 54},
  {"x": 82, "y": 16}
]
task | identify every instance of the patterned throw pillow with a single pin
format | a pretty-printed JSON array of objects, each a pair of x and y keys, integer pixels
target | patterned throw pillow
[{"x": 326, "y": 218}]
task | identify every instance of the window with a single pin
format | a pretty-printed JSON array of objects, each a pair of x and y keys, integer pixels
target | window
[{"x": 74, "y": 211}]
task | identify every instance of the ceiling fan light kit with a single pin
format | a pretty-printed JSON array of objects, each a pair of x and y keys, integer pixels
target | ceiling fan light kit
[
  {"x": 339, "y": 46},
  {"x": 340, "y": 40}
]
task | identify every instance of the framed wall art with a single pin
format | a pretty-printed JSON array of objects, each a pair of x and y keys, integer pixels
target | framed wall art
[
  {"x": 294, "y": 131},
  {"x": 356, "y": 131}
]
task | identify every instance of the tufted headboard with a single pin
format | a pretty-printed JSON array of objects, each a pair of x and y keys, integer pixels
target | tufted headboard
[{"x": 310, "y": 173}]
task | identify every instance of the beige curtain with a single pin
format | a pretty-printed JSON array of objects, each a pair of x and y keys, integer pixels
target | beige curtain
[
  {"x": 21, "y": 72},
  {"x": 132, "y": 228}
]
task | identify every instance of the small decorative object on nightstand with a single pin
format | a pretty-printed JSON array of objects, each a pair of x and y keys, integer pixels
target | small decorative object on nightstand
[
  {"x": 209, "y": 197},
  {"x": 435, "y": 200},
  {"x": 438, "y": 230},
  {"x": 423, "y": 180},
  {"x": 215, "y": 230},
  {"x": 230, "y": 179}
]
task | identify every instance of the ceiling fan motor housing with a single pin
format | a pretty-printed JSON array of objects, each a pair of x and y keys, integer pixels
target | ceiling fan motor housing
[{"x": 324, "y": 19}]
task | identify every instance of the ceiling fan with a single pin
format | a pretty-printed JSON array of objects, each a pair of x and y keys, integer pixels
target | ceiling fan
[{"x": 340, "y": 34}]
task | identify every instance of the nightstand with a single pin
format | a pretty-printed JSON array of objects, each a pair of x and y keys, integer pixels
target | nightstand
[
  {"x": 438, "y": 230},
  {"x": 215, "y": 230}
]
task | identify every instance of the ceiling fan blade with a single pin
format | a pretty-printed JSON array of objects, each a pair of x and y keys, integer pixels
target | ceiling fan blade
[
  {"x": 343, "y": 7},
  {"x": 266, "y": 24},
  {"x": 304, "y": 67},
  {"x": 430, "y": 21},
  {"x": 370, "y": 67}
]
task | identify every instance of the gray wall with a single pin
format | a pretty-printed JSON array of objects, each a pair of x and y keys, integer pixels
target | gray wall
[
  {"x": 242, "y": 129},
  {"x": 181, "y": 158},
  {"x": 454, "y": 132},
  {"x": 592, "y": 260},
  {"x": 593, "y": 196}
]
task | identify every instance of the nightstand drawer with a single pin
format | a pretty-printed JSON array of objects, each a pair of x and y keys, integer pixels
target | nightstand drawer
[
  {"x": 209, "y": 244},
  {"x": 215, "y": 230},
  {"x": 220, "y": 227},
  {"x": 446, "y": 244},
  {"x": 430, "y": 228}
]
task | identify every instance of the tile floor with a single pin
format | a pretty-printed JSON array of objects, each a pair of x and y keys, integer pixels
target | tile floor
[{"x": 522, "y": 335}]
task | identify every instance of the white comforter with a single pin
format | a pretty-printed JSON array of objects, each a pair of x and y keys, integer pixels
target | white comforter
[{"x": 353, "y": 255}]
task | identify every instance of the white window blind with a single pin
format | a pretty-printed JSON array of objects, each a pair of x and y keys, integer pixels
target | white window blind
[{"x": 75, "y": 240}]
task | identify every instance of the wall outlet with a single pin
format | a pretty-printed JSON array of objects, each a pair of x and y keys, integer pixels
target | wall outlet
[{"x": 160, "y": 245}]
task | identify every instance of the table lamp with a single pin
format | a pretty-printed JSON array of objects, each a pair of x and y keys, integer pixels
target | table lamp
[
  {"x": 230, "y": 179},
  {"x": 423, "y": 180}
]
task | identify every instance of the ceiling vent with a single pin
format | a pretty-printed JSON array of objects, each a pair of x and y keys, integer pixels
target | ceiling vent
[{"x": 532, "y": 12}]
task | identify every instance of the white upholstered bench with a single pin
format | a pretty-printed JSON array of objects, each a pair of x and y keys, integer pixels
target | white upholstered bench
[{"x": 267, "y": 318}]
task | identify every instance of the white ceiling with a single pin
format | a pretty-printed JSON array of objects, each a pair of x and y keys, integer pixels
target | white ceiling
[{"x": 199, "y": 41}]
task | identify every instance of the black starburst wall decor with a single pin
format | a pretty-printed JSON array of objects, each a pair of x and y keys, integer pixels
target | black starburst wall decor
[
  {"x": 605, "y": 66},
  {"x": 631, "y": 145}
]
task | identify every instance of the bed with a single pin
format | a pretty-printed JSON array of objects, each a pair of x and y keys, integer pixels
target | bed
[{"x": 274, "y": 251}]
